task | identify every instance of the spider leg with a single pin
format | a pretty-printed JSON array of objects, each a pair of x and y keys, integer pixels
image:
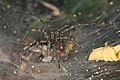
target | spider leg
[
  {"x": 58, "y": 60},
  {"x": 25, "y": 49},
  {"x": 79, "y": 45},
  {"x": 25, "y": 36}
]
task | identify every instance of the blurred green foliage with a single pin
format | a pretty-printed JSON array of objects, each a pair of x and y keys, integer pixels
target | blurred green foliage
[
  {"x": 87, "y": 10},
  {"x": 76, "y": 10},
  {"x": 83, "y": 11}
]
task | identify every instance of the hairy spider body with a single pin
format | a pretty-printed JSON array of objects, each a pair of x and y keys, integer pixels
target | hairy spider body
[{"x": 54, "y": 45}]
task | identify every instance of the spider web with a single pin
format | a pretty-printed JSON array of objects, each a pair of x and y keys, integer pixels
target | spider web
[{"x": 105, "y": 29}]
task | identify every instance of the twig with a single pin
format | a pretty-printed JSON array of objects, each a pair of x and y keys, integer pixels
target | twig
[{"x": 56, "y": 11}]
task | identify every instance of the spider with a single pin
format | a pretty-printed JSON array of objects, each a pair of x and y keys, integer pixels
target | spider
[{"x": 53, "y": 47}]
